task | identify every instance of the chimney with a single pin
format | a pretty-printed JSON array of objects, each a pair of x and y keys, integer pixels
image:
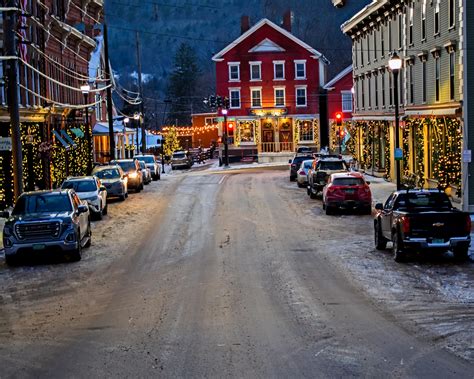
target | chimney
[
  {"x": 244, "y": 24},
  {"x": 288, "y": 20}
]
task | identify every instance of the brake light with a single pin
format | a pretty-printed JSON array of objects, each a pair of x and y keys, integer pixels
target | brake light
[
  {"x": 405, "y": 224},
  {"x": 302, "y": 172},
  {"x": 468, "y": 224}
]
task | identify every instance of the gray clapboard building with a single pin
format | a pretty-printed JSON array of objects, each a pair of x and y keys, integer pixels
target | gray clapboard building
[{"x": 434, "y": 40}]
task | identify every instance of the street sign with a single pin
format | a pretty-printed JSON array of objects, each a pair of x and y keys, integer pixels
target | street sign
[
  {"x": 467, "y": 156},
  {"x": 398, "y": 154},
  {"x": 5, "y": 143}
]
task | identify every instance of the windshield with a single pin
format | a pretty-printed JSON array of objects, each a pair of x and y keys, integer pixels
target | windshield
[
  {"x": 178, "y": 155},
  {"x": 111, "y": 173},
  {"x": 42, "y": 203},
  {"x": 426, "y": 199},
  {"x": 146, "y": 159},
  {"x": 307, "y": 164},
  {"x": 298, "y": 160},
  {"x": 80, "y": 185},
  {"x": 328, "y": 165},
  {"x": 127, "y": 165},
  {"x": 142, "y": 164},
  {"x": 348, "y": 182}
]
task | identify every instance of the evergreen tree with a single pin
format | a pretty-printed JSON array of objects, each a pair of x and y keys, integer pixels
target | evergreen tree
[
  {"x": 182, "y": 85},
  {"x": 171, "y": 142}
]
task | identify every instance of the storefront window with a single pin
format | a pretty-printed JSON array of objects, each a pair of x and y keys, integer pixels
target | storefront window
[
  {"x": 305, "y": 128},
  {"x": 247, "y": 131}
]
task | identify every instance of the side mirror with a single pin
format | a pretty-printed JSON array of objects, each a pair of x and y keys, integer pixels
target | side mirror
[
  {"x": 5, "y": 214},
  {"x": 102, "y": 188},
  {"x": 379, "y": 206},
  {"x": 289, "y": 161},
  {"x": 367, "y": 182},
  {"x": 82, "y": 209}
]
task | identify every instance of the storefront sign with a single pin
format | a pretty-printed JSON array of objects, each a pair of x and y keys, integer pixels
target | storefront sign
[
  {"x": 5, "y": 143},
  {"x": 398, "y": 154},
  {"x": 267, "y": 112}
]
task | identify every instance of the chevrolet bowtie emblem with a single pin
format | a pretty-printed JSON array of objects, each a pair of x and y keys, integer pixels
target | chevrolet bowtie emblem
[{"x": 438, "y": 224}]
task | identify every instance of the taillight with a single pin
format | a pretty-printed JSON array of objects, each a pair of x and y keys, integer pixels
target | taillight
[
  {"x": 405, "y": 224},
  {"x": 302, "y": 172},
  {"x": 468, "y": 224}
]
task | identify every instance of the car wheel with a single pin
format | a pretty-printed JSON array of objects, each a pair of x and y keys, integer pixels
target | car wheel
[
  {"x": 106, "y": 209},
  {"x": 123, "y": 197},
  {"x": 398, "y": 254},
  {"x": 329, "y": 210},
  {"x": 89, "y": 235},
  {"x": 98, "y": 215},
  {"x": 155, "y": 177},
  {"x": 12, "y": 260},
  {"x": 308, "y": 191},
  {"x": 380, "y": 240},
  {"x": 312, "y": 195},
  {"x": 461, "y": 254},
  {"x": 76, "y": 255}
]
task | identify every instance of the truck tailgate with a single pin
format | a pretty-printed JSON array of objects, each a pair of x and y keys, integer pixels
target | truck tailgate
[{"x": 438, "y": 224}]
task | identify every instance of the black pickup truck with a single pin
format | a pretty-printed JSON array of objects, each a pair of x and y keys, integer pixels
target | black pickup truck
[{"x": 421, "y": 220}]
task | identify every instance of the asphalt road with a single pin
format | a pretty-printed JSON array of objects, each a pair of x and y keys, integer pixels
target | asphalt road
[{"x": 224, "y": 276}]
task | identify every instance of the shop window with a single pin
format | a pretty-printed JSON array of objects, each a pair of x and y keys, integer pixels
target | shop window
[
  {"x": 247, "y": 131},
  {"x": 305, "y": 129}
]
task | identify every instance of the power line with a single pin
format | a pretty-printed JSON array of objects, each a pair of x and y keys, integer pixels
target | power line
[{"x": 186, "y": 6}]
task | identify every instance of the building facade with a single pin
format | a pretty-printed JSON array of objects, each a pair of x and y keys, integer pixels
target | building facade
[
  {"x": 427, "y": 35},
  {"x": 273, "y": 81}
]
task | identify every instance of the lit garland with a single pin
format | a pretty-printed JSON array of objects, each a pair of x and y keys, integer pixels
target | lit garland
[
  {"x": 367, "y": 138},
  {"x": 387, "y": 150},
  {"x": 316, "y": 133}
]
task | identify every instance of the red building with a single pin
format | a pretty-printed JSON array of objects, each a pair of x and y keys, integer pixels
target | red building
[
  {"x": 340, "y": 99},
  {"x": 273, "y": 82}
]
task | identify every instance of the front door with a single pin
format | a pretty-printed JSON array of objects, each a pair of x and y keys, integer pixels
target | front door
[{"x": 268, "y": 136}]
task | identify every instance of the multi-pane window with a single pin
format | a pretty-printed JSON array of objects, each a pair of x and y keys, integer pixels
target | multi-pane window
[
  {"x": 234, "y": 72},
  {"x": 412, "y": 84},
  {"x": 361, "y": 53},
  {"x": 300, "y": 69},
  {"x": 452, "y": 66},
  {"x": 382, "y": 41},
  {"x": 356, "y": 55},
  {"x": 306, "y": 131},
  {"x": 423, "y": 78},
  {"x": 369, "y": 92},
  {"x": 234, "y": 95},
  {"x": 390, "y": 90},
  {"x": 279, "y": 70},
  {"x": 389, "y": 35},
  {"x": 376, "y": 87},
  {"x": 400, "y": 30},
  {"x": 362, "y": 93},
  {"x": 256, "y": 94},
  {"x": 383, "y": 89},
  {"x": 279, "y": 97},
  {"x": 436, "y": 17},
  {"x": 410, "y": 24},
  {"x": 301, "y": 100},
  {"x": 437, "y": 77},
  {"x": 255, "y": 71},
  {"x": 346, "y": 101},
  {"x": 375, "y": 45},
  {"x": 368, "y": 48},
  {"x": 423, "y": 21},
  {"x": 452, "y": 13}
]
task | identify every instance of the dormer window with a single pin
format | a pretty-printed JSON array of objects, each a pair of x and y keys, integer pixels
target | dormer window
[
  {"x": 255, "y": 71},
  {"x": 300, "y": 69}
]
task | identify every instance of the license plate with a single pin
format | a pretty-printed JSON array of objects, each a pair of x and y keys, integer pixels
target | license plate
[
  {"x": 438, "y": 240},
  {"x": 350, "y": 191},
  {"x": 39, "y": 247}
]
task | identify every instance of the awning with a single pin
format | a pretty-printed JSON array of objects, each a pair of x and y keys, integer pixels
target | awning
[{"x": 102, "y": 129}]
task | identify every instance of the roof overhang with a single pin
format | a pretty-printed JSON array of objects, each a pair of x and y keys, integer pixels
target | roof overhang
[
  {"x": 330, "y": 85},
  {"x": 366, "y": 14}
]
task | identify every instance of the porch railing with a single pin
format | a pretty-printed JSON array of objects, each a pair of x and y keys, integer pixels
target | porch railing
[{"x": 276, "y": 147}]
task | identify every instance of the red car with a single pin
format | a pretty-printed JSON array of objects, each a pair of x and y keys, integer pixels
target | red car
[{"x": 347, "y": 191}]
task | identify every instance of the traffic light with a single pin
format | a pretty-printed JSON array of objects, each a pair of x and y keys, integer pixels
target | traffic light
[
  {"x": 339, "y": 118},
  {"x": 342, "y": 133},
  {"x": 219, "y": 102},
  {"x": 212, "y": 101},
  {"x": 226, "y": 103},
  {"x": 230, "y": 129}
]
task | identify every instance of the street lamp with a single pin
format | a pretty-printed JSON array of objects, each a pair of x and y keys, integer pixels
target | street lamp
[
  {"x": 85, "y": 88},
  {"x": 395, "y": 64},
  {"x": 137, "y": 117},
  {"x": 226, "y": 142},
  {"x": 126, "y": 120}
]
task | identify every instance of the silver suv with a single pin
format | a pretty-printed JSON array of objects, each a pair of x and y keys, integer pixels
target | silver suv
[
  {"x": 90, "y": 189},
  {"x": 152, "y": 164}
]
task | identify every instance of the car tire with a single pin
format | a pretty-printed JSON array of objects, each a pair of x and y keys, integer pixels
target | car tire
[
  {"x": 76, "y": 255},
  {"x": 312, "y": 195},
  {"x": 89, "y": 235},
  {"x": 123, "y": 197},
  {"x": 367, "y": 210},
  {"x": 106, "y": 209},
  {"x": 12, "y": 260},
  {"x": 399, "y": 254},
  {"x": 461, "y": 254},
  {"x": 380, "y": 240},
  {"x": 98, "y": 215},
  {"x": 329, "y": 210},
  {"x": 300, "y": 185},
  {"x": 308, "y": 191}
]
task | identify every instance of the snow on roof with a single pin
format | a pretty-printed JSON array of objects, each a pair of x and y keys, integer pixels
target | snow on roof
[{"x": 217, "y": 57}]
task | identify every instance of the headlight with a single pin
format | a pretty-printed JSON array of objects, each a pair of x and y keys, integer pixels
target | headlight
[
  {"x": 7, "y": 230},
  {"x": 132, "y": 175}
]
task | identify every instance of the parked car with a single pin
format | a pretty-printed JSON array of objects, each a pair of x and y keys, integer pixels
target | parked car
[
  {"x": 114, "y": 180},
  {"x": 146, "y": 173},
  {"x": 347, "y": 191},
  {"x": 152, "y": 164},
  {"x": 132, "y": 169},
  {"x": 90, "y": 189},
  {"x": 181, "y": 159},
  {"x": 421, "y": 220},
  {"x": 46, "y": 221},
  {"x": 295, "y": 164},
  {"x": 302, "y": 173},
  {"x": 320, "y": 175}
]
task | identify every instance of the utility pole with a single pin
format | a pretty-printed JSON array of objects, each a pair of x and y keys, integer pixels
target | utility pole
[
  {"x": 108, "y": 75},
  {"x": 140, "y": 90},
  {"x": 10, "y": 21}
]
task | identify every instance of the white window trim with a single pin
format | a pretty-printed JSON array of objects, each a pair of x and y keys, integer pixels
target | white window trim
[
  {"x": 274, "y": 70},
  {"x": 234, "y": 64},
  {"x": 235, "y": 89},
  {"x": 306, "y": 96},
  {"x": 284, "y": 96},
  {"x": 251, "y": 97},
  {"x": 342, "y": 101},
  {"x": 259, "y": 64},
  {"x": 300, "y": 61}
]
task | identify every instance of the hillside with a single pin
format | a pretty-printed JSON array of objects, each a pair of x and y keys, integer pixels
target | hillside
[{"x": 209, "y": 25}]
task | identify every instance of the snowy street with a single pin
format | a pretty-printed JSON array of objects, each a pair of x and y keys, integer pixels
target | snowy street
[{"x": 216, "y": 273}]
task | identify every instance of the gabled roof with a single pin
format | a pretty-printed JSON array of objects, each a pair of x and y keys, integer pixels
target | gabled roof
[
  {"x": 267, "y": 45},
  {"x": 219, "y": 56},
  {"x": 338, "y": 77}
]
